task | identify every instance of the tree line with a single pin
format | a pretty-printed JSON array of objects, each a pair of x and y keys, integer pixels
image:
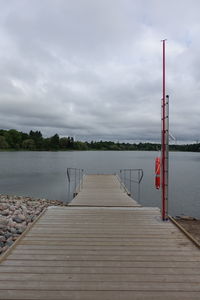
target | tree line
[{"x": 34, "y": 141}]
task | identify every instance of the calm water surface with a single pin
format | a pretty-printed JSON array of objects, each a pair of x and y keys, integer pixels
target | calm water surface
[{"x": 43, "y": 175}]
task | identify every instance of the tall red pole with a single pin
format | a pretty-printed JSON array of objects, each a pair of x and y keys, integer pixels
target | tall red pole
[{"x": 163, "y": 150}]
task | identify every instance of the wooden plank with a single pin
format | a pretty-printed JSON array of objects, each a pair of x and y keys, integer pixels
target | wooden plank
[
  {"x": 104, "y": 263},
  {"x": 98, "y": 270},
  {"x": 111, "y": 248},
  {"x": 100, "y": 286},
  {"x": 97, "y": 295},
  {"x": 62, "y": 233},
  {"x": 105, "y": 239},
  {"x": 120, "y": 258},
  {"x": 144, "y": 242},
  {"x": 89, "y": 278},
  {"x": 105, "y": 253}
]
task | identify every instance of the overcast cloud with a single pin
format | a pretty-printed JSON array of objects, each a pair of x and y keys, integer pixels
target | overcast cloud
[{"x": 93, "y": 69}]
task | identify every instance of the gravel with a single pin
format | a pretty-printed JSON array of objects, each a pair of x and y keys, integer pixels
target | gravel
[
  {"x": 16, "y": 213},
  {"x": 191, "y": 225}
]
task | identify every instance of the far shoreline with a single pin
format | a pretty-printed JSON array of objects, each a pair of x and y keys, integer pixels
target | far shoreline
[{"x": 94, "y": 150}]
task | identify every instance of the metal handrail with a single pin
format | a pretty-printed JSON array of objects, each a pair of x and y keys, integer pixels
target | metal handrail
[
  {"x": 140, "y": 170},
  {"x": 75, "y": 181},
  {"x": 126, "y": 182},
  {"x": 74, "y": 178}
]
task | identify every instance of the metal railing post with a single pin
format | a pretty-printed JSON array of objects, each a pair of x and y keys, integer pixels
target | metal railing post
[
  {"x": 77, "y": 181},
  {"x": 120, "y": 176},
  {"x": 68, "y": 177},
  {"x": 82, "y": 179},
  {"x": 138, "y": 186},
  {"x": 79, "y": 173},
  {"x": 127, "y": 182},
  {"x": 124, "y": 172}
]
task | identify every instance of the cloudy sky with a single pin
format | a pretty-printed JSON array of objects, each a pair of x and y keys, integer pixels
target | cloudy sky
[{"x": 93, "y": 68}]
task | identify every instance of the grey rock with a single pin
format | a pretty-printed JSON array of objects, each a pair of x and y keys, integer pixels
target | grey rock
[
  {"x": 4, "y": 206},
  {"x": 17, "y": 212},
  {"x": 22, "y": 217},
  {"x": 24, "y": 209},
  {"x": 5, "y": 212},
  {"x": 17, "y": 219},
  {"x": 28, "y": 219},
  {"x": 38, "y": 211},
  {"x": 19, "y": 226},
  {"x": 7, "y": 235},
  {"x": 2, "y": 238},
  {"x": 9, "y": 243},
  {"x": 12, "y": 208},
  {"x": 21, "y": 230},
  {"x": 3, "y": 227},
  {"x": 3, "y": 221},
  {"x": 11, "y": 223},
  {"x": 13, "y": 230},
  {"x": 14, "y": 238},
  {"x": 1, "y": 244}
]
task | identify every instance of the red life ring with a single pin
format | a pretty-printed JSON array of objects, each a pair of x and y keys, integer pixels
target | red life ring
[{"x": 157, "y": 173}]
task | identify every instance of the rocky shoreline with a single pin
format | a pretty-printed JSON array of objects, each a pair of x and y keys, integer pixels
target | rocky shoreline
[{"x": 16, "y": 213}]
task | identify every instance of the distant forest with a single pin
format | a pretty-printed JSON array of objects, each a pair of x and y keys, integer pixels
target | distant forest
[{"x": 34, "y": 141}]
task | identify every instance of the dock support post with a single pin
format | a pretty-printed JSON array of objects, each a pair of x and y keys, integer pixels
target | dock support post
[{"x": 165, "y": 143}]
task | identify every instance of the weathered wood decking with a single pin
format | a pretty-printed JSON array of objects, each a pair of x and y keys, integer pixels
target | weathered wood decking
[
  {"x": 108, "y": 253},
  {"x": 102, "y": 190}
]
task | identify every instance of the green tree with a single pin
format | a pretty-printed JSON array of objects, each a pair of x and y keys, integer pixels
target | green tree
[
  {"x": 3, "y": 143},
  {"x": 28, "y": 144},
  {"x": 54, "y": 142},
  {"x": 64, "y": 143},
  {"x": 13, "y": 138},
  {"x": 80, "y": 146},
  {"x": 3, "y": 132},
  {"x": 24, "y": 136},
  {"x": 46, "y": 144},
  {"x": 38, "y": 139},
  {"x": 71, "y": 142}
]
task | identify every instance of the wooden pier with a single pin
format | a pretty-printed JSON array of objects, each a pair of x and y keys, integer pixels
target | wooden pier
[{"x": 103, "y": 246}]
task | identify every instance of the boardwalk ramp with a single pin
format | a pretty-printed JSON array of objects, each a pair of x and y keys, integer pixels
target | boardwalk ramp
[
  {"x": 102, "y": 252},
  {"x": 102, "y": 190}
]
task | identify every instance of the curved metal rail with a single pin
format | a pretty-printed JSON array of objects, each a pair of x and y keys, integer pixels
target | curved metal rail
[
  {"x": 127, "y": 178},
  {"x": 130, "y": 176},
  {"x": 74, "y": 179}
]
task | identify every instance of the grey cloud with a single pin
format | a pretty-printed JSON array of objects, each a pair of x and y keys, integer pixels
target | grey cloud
[{"x": 94, "y": 68}]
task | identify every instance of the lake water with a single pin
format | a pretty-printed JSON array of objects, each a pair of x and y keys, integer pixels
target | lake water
[{"x": 43, "y": 175}]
